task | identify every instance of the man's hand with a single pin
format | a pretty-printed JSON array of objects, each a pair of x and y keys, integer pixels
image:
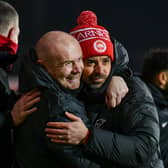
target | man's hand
[
  {"x": 23, "y": 106},
  {"x": 72, "y": 133},
  {"x": 116, "y": 90}
]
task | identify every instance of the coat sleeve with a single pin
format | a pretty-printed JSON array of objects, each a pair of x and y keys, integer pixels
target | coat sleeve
[
  {"x": 70, "y": 156},
  {"x": 135, "y": 139}
]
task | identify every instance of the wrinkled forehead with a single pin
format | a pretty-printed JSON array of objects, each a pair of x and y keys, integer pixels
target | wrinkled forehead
[{"x": 66, "y": 54}]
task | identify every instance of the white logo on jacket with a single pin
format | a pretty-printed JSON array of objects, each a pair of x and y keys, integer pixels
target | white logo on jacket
[{"x": 99, "y": 122}]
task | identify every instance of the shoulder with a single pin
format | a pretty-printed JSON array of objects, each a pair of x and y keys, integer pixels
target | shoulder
[
  {"x": 138, "y": 87},
  {"x": 120, "y": 51},
  {"x": 139, "y": 99},
  {"x": 138, "y": 105},
  {"x": 120, "y": 47}
]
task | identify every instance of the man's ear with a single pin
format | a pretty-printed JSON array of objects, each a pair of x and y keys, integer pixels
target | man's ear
[
  {"x": 13, "y": 34},
  {"x": 10, "y": 33},
  {"x": 162, "y": 79}
]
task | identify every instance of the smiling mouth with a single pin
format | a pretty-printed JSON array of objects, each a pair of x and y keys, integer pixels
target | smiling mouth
[
  {"x": 97, "y": 79},
  {"x": 74, "y": 79}
]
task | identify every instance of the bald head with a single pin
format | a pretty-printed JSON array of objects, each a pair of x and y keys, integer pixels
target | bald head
[
  {"x": 54, "y": 44},
  {"x": 60, "y": 54}
]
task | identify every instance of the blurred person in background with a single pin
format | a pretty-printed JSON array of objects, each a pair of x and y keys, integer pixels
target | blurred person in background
[
  {"x": 12, "y": 113},
  {"x": 155, "y": 74}
]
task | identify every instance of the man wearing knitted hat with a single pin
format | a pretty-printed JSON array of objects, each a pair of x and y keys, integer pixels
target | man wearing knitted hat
[
  {"x": 12, "y": 113},
  {"x": 95, "y": 40},
  {"x": 122, "y": 137}
]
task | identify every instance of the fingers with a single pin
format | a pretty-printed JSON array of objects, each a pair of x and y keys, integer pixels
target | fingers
[
  {"x": 118, "y": 99},
  {"x": 30, "y": 103},
  {"x": 59, "y": 141},
  {"x": 60, "y": 137},
  {"x": 58, "y": 125},
  {"x": 112, "y": 103},
  {"x": 25, "y": 106},
  {"x": 28, "y": 112},
  {"x": 72, "y": 116},
  {"x": 32, "y": 94},
  {"x": 124, "y": 90},
  {"x": 32, "y": 91},
  {"x": 57, "y": 135},
  {"x": 116, "y": 91},
  {"x": 29, "y": 99},
  {"x": 114, "y": 99},
  {"x": 55, "y": 131}
]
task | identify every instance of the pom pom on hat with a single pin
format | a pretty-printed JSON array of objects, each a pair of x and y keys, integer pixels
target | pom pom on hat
[
  {"x": 87, "y": 18},
  {"x": 93, "y": 38}
]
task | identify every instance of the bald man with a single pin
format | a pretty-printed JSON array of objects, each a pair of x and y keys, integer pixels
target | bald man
[{"x": 54, "y": 67}]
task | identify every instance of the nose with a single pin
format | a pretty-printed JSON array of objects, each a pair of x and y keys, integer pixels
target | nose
[
  {"x": 98, "y": 69},
  {"x": 78, "y": 67}
]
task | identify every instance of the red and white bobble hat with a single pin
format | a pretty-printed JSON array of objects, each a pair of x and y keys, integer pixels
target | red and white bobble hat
[{"x": 94, "y": 39}]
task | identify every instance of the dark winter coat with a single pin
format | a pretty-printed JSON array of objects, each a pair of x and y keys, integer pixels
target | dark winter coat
[
  {"x": 32, "y": 148},
  {"x": 30, "y": 137},
  {"x": 7, "y": 100},
  {"x": 128, "y": 135},
  {"x": 161, "y": 101}
]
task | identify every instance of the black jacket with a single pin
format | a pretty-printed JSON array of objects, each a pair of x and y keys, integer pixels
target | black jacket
[
  {"x": 50, "y": 108},
  {"x": 7, "y": 100},
  {"x": 128, "y": 135},
  {"x": 32, "y": 148},
  {"x": 161, "y": 101}
]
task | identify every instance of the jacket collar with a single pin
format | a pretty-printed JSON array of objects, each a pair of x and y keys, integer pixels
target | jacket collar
[{"x": 38, "y": 77}]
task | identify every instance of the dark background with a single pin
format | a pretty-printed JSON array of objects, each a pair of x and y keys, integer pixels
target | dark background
[{"x": 139, "y": 25}]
